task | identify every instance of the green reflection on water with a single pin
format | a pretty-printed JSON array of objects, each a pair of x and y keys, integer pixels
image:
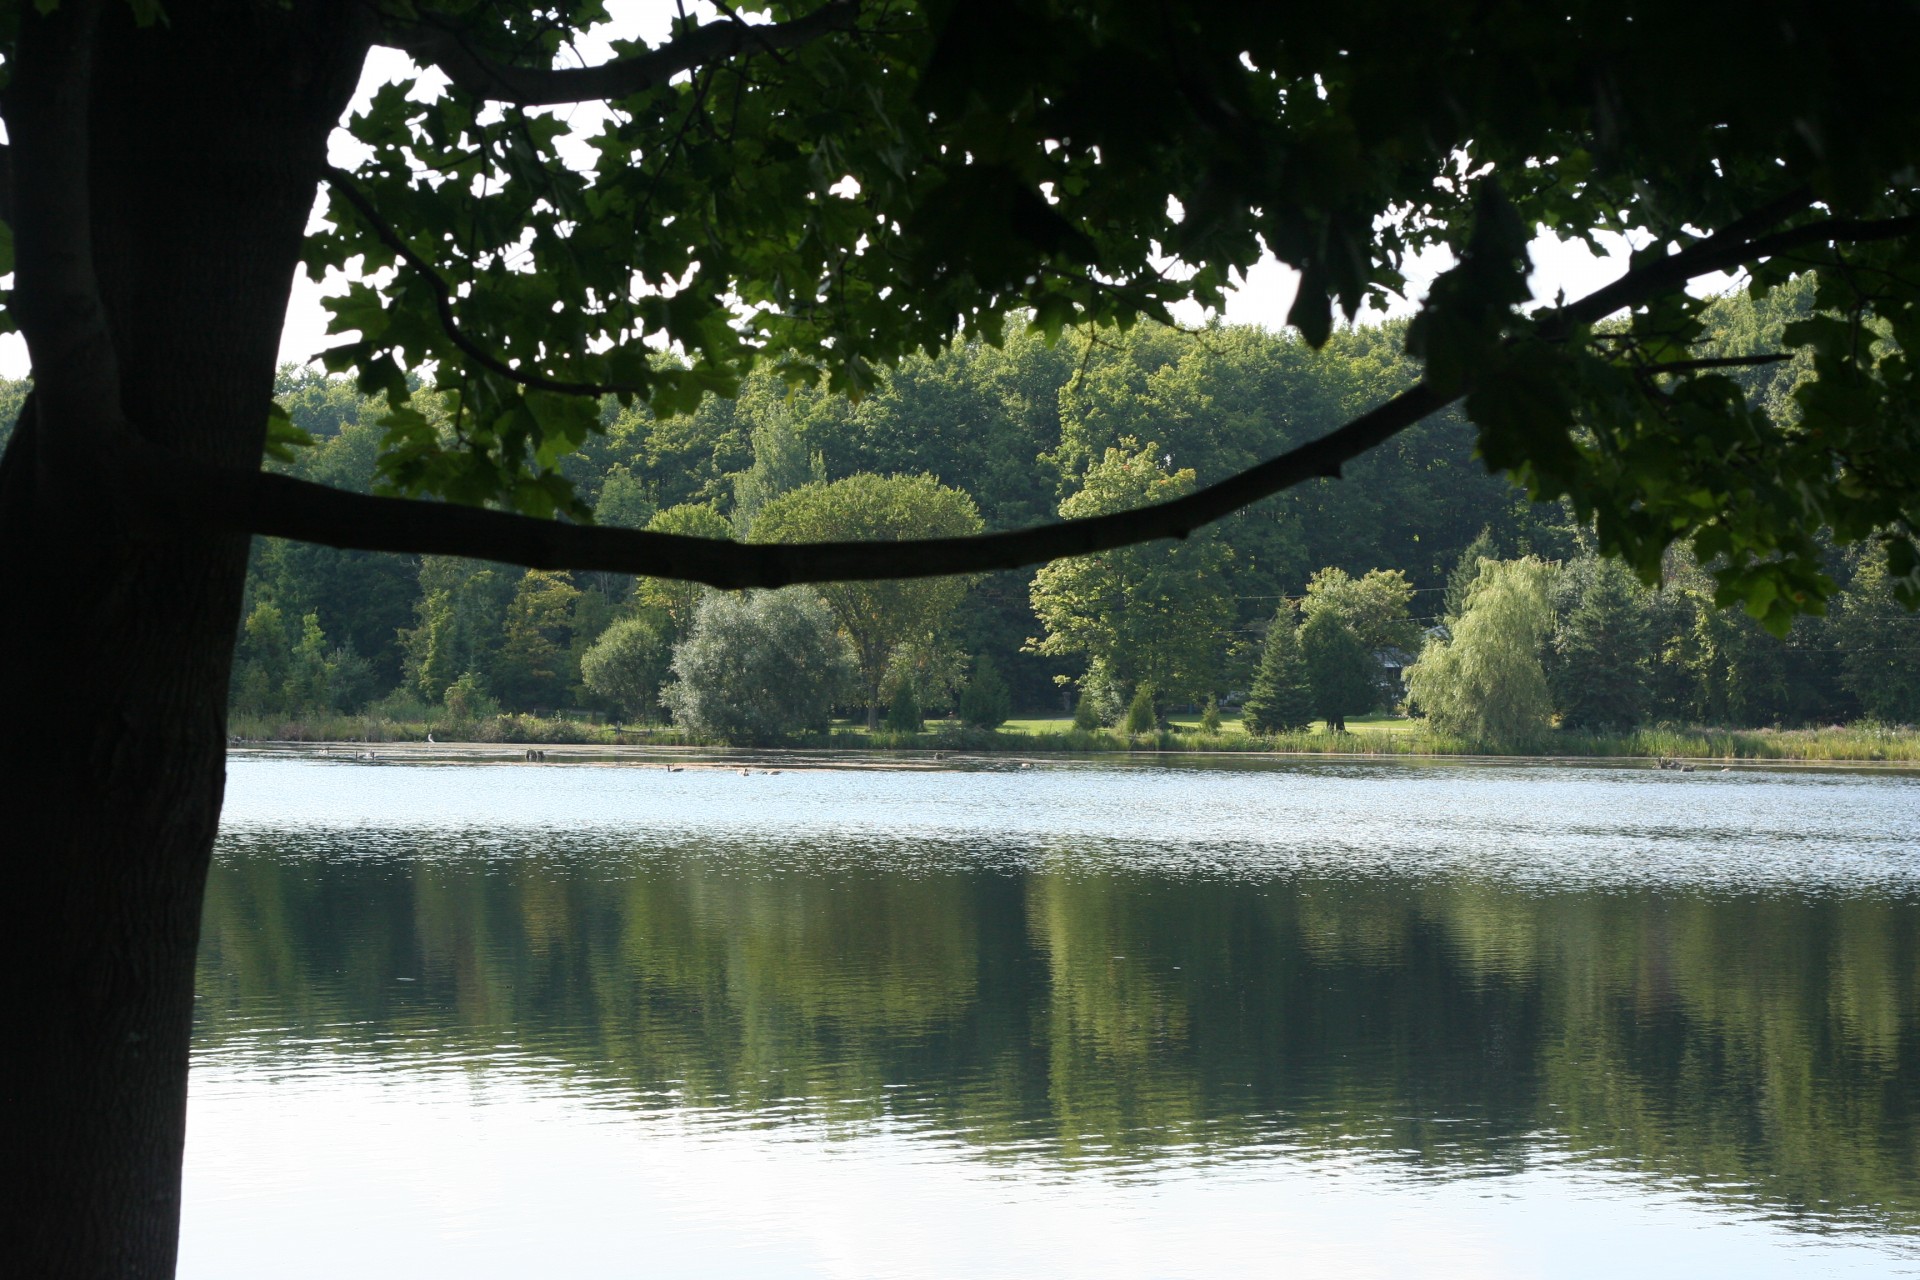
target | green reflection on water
[{"x": 1756, "y": 1047}]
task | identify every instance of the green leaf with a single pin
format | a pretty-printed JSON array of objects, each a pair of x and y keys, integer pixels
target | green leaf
[{"x": 282, "y": 436}]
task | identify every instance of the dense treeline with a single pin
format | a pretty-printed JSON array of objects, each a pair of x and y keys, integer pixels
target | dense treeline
[
  {"x": 1020, "y": 431},
  {"x": 1280, "y": 603}
]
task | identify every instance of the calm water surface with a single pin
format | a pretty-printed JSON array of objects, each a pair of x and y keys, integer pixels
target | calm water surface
[{"x": 1114, "y": 1020}]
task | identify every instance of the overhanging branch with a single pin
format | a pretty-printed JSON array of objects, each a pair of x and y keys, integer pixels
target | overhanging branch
[
  {"x": 282, "y": 506},
  {"x": 289, "y": 508},
  {"x": 482, "y": 76},
  {"x": 1715, "y": 362}
]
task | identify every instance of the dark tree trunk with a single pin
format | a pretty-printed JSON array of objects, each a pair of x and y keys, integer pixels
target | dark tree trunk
[{"x": 208, "y": 136}]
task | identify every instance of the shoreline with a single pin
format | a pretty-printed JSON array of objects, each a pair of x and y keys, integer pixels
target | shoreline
[{"x": 930, "y": 758}]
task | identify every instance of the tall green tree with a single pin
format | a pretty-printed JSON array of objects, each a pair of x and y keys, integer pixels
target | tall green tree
[
  {"x": 1466, "y": 571},
  {"x": 880, "y": 617},
  {"x": 780, "y": 463},
  {"x": 1487, "y": 683},
  {"x": 535, "y": 669},
  {"x": 1879, "y": 644},
  {"x": 459, "y": 621},
  {"x": 1153, "y": 614},
  {"x": 310, "y": 675},
  {"x": 1343, "y": 676},
  {"x": 678, "y": 598},
  {"x": 1376, "y": 607},
  {"x": 1601, "y": 656},
  {"x": 626, "y": 664},
  {"x": 1282, "y": 697}
]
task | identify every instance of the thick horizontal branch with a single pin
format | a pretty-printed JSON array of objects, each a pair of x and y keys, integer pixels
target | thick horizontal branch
[
  {"x": 1715, "y": 362},
  {"x": 484, "y": 77},
  {"x": 289, "y": 508},
  {"x": 286, "y": 507}
]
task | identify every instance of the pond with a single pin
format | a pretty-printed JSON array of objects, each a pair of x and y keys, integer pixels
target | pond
[{"x": 1114, "y": 1018}]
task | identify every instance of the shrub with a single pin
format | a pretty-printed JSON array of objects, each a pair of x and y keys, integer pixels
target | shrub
[
  {"x": 758, "y": 667},
  {"x": 903, "y": 712},
  {"x": 467, "y": 698},
  {"x": 625, "y": 666},
  {"x": 1210, "y": 718},
  {"x": 1141, "y": 716},
  {"x": 985, "y": 702}
]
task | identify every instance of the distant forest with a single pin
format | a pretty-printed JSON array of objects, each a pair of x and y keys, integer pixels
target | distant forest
[{"x": 1020, "y": 430}]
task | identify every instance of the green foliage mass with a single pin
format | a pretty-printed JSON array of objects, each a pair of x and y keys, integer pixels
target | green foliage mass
[
  {"x": 1374, "y": 606},
  {"x": 758, "y": 667},
  {"x": 862, "y": 201},
  {"x": 625, "y": 666},
  {"x": 1142, "y": 717},
  {"x": 1487, "y": 682},
  {"x": 888, "y": 620},
  {"x": 1281, "y": 699},
  {"x": 1343, "y": 676},
  {"x": 1015, "y": 428},
  {"x": 1599, "y": 667},
  {"x": 903, "y": 710},
  {"x": 1879, "y": 644},
  {"x": 985, "y": 702},
  {"x": 1150, "y": 614}
]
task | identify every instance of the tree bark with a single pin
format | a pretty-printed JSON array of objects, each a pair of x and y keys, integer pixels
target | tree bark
[{"x": 207, "y": 135}]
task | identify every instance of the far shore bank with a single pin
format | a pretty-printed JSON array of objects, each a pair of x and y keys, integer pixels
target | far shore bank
[{"x": 1681, "y": 750}]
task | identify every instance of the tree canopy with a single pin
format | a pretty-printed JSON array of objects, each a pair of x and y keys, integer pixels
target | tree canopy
[
  {"x": 1140, "y": 615},
  {"x": 870, "y": 180},
  {"x": 885, "y": 620}
]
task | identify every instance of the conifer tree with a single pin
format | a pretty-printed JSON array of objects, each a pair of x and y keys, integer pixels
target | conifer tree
[
  {"x": 1342, "y": 677},
  {"x": 1600, "y": 675},
  {"x": 1465, "y": 570},
  {"x": 1280, "y": 699},
  {"x": 985, "y": 702},
  {"x": 1142, "y": 717},
  {"x": 903, "y": 710}
]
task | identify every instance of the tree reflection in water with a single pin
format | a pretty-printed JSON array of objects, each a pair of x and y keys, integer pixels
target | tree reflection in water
[{"x": 1757, "y": 1046}]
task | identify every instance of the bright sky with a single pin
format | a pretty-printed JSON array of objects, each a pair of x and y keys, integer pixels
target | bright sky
[{"x": 1262, "y": 299}]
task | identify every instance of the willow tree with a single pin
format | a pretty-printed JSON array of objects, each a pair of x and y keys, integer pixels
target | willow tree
[
  {"x": 1487, "y": 682},
  {"x": 822, "y": 186}
]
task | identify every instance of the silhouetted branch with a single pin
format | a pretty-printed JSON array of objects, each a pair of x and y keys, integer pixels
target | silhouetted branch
[
  {"x": 484, "y": 77},
  {"x": 1714, "y": 362},
  {"x": 287, "y": 507}
]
